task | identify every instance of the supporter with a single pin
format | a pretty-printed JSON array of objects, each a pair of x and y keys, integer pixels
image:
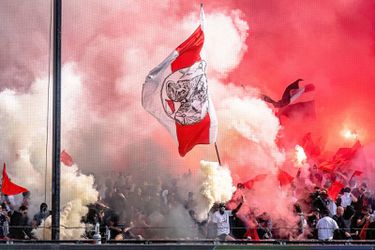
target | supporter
[
  {"x": 343, "y": 232},
  {"x": 362, "y": 200},
  {"x": 264, "y": 226},
  {"x": 211, "y": 226},
  {"x": 4, "y": 220},
  {"x": 312, "y": 220},
  {"x": 19, "y": 224},
  {"x": 326, "y": 227},
  {"x": 41, "y": 215},
  {"x": 364, "y": 220},
  {"x": 221, "y": 219},
  {"x": 238, "y": 226},
  {"x": 113, "y": 225},
  {"x": 301, "y": 221},
  {"x": 329, "y": 204},
  {"x": 347, "y": 198}
]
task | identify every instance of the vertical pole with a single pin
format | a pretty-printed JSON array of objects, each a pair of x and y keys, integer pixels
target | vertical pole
[
  {"x": 56, "y": 119},
  {"x": 217, "y": 154}
]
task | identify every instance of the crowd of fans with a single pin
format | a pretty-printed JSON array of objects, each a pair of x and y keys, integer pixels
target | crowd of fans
[
  {"x": 317, "y": 216},
  {"x": 14, "y": 220},
  {"x": 129, "y": 209}
]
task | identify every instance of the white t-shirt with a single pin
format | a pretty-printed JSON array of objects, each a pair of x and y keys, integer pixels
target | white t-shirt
[
  {"x": 346, "y": 200},
  {"x": 326, "y": 226},
  {"x": 222, "y": 221}
]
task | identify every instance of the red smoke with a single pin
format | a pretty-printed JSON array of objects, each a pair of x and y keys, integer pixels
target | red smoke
[{"x": 328, "y": 43}]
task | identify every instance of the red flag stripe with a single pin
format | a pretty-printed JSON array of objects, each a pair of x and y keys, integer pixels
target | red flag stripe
[
  {"x": 189, "y": 51},
  {"x": 190, "y": 135}
]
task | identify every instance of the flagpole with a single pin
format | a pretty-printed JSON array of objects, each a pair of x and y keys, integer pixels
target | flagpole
[
  {"x": 56, "y": 119},
  {"x": 217, "y": 154}
]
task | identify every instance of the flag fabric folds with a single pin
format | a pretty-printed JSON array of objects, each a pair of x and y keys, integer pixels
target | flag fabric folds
[
  {"x": 335, "y": 189},
  {"x": 8, "y": 187},
  {"x": 175, "y": 92},
  {"x": 342, "y": 157},
  {"x": 66, "y": 158},
  {"x": 291, "y": 93},
  {"x": 284, "y": 178},
  {"x": 311, "y": 149}
]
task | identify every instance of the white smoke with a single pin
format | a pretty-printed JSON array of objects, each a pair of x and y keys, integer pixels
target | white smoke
[
  {"x": 70, "y": 225},
  {"x": 216, "y": 186},
  {"x": 222, "y": 57},
  {"x": 23, "y": 148}
]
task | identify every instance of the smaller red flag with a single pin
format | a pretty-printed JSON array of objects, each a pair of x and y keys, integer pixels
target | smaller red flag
[
  {"x": 335, "y": 189},
  {"x": 310, "y": 148},
  {"x": 284, "y": 178},
  {"x": 66, "y": 158},
  {"x": 8, "y": 187},
  {"x": 249, "y": 184}
]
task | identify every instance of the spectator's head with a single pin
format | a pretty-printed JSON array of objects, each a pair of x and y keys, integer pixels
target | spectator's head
[
  {"x": 340, "y": 211},
  {"x": 26, "y": 194},
  {"x": 363, "y": 188},
  {"x": 316, "y": 212},
  {"x": 23, "y": 210},
  {"x": 366, "y": 210},
  {"x": 324, "y": 194},
  {"x": 43, "y": 207},
  {"x": 222, "y": 207},
  {"x": 347, "y": 190}
]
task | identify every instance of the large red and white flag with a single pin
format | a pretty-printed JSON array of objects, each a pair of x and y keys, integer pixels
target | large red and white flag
[{"x": 176, "y": 94}]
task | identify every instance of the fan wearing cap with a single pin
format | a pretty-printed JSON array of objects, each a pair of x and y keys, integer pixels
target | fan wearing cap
[{"x": 221, "y": 219}]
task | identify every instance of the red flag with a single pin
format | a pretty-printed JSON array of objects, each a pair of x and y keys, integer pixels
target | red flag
[
  {"x": 249, "y": 184},
  {"x": 342, "y": 157},
  {"x": 8, "y": 187},
  {"x": 284, "y": 178},
  {"x": 335, "y": 189},
  {"x": 347, "y": 154},
  {"x": 310, "y": 148},
  {"x": 328, "y": 166},
  {"x": 176, "y": 94},
  {"x": 66, "y": 158},
  {"x": 365, "y": 228},
  {"x": 356, "y": 173},
  {"x": 291, "y": 93}
]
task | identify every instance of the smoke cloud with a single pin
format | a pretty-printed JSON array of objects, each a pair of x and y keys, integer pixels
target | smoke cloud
[{"x": 252, "y": 47}]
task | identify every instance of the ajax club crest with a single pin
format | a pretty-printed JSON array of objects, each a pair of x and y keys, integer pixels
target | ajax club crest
[{"x": 184, "y": 94}]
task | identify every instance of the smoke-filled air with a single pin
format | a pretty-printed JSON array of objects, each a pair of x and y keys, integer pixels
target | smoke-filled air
[{"x": 126, "y": 167}]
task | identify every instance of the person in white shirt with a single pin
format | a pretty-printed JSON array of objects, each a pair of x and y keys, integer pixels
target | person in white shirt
[
  {"x": 221, "y": 219},
  {"x": 347, "y": 198},
  {"x": 326, "y": 226}
]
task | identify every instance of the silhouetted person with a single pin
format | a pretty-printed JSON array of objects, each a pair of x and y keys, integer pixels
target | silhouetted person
[{"x": 19, "y": 224}]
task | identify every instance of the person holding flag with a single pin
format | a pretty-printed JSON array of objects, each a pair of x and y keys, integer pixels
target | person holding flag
[{"x": 176, "y": 93}]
